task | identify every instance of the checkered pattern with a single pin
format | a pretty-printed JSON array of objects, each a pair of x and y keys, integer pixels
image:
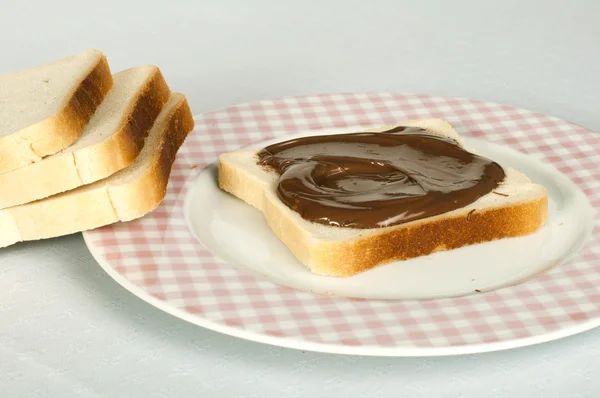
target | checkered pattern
[{"x": 159, "y": 255}]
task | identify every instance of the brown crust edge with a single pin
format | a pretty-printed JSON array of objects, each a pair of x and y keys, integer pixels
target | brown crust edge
[
  {"x": 128, "y": 203},
  {"x": 78, "y": 111},
  {"x": 349, "y": 258},
  {"x": 120, "y": 150}
]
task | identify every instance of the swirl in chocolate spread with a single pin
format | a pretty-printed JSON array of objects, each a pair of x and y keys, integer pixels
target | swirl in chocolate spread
[{"x": 371, "y": 180}]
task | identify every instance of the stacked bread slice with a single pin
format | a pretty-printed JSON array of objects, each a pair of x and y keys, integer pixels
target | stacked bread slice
[{"x": 82, "y": 148}]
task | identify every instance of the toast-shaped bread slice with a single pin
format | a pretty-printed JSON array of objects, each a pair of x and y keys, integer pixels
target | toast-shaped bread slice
[
  {"x": 110, "y": 141},
  {"x": 44, "y": 109},
  {"x": 516, "y": 207},
  {"x": 126, "y": 195}
]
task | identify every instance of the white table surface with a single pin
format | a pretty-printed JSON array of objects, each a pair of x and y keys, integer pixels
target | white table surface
[{"x": 67, "y": 329}]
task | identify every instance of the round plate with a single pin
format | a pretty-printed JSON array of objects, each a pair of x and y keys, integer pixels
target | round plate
[{"x": 161, "y": 260}]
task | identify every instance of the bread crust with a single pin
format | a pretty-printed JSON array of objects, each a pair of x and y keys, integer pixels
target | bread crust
[
  {"x": 373, "y": 247},
  {"x": 419, "y": 238},
  {"x": 109, "y": 156},
  {"x": 57, "y": 132},
  {"x": 68, "y": 170},
  {"x": 126, "y": 199}
]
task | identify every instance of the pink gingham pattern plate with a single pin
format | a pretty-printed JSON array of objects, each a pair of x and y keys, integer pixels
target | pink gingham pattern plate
[{"x": 158, "y": 258}]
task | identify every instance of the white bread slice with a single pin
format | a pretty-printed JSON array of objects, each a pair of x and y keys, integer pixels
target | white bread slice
[
  {"x": 44, "y": 109},
  {"x": 111, "y": 141},
  {"x": 124, "y": 196},
  {"x": 517, "y": 207}
]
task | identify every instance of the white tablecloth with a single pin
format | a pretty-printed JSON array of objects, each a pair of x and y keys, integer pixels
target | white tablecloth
[{"x": 67, "y": 329}]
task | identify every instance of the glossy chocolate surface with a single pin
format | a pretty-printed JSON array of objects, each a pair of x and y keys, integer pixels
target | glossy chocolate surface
[{"x": 371, "y": 180}]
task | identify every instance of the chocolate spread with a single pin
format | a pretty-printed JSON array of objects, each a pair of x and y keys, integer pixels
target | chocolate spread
[{"x": 371, "y": 180}]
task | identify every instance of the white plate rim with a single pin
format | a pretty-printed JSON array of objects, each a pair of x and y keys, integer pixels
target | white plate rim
[{"x": 297, "y": 344}]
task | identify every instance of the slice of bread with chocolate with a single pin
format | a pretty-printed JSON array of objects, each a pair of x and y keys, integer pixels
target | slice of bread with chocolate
[{"x": 350, "y": 202}]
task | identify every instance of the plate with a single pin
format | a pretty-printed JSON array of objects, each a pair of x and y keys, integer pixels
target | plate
[
  {"x": 239, "y": 234},
  {"x": 209, "y": 259}
]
